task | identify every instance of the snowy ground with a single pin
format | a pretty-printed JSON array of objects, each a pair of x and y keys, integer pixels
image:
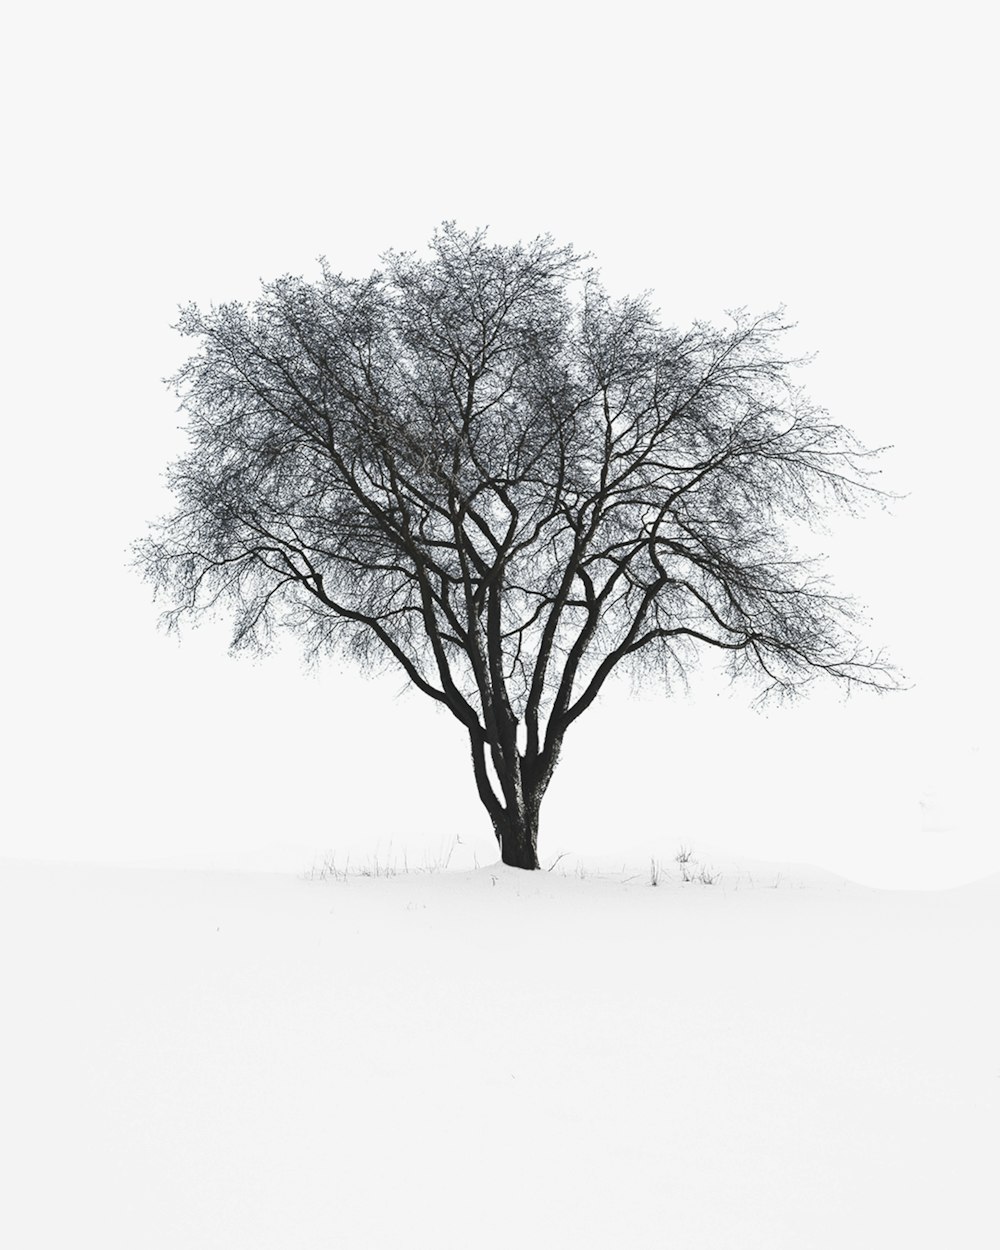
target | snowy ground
[{"x": 492, "y": 1058}]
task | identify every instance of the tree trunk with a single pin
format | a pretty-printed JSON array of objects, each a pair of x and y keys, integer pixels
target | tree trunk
[{"x": 517, "y": 833}]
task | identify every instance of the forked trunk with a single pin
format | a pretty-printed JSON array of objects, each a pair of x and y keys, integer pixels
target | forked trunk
[
  {"x": 523, "y": 785},
  {"x": 517, "y": 833}
]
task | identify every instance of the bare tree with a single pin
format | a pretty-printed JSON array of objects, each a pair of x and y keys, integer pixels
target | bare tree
[{"x": 481, "y": 467}]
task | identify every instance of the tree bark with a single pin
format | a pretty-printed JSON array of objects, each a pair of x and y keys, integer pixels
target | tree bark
[{"x": 517, "y": 833}]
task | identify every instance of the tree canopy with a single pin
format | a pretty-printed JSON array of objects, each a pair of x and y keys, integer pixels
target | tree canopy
[{"x": 478, "y": 465}]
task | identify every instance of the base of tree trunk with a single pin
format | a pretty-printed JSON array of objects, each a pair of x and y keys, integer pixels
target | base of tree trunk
[{"x": 518, "y": 845}]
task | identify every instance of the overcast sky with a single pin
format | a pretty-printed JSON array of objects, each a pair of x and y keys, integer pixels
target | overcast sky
[{"x": 831, "y": 158}]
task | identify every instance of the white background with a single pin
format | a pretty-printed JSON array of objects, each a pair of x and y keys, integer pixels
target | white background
[{"x": 833, "y": 158}]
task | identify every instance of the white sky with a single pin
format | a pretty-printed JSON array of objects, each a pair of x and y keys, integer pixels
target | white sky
[{"x": 832, "y": 158}]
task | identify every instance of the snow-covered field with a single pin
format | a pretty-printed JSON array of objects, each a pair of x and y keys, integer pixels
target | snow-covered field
[{"x": 491, "y": 1058}]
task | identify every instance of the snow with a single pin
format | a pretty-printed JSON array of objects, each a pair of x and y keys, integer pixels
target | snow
[{"x": 486, "y": 1057}]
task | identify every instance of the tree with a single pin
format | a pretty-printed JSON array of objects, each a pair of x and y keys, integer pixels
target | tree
[{"x": 480, "y": 467}]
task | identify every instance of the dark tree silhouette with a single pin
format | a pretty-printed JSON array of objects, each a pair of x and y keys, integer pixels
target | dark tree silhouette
[{"x": 479, "y": 466}]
